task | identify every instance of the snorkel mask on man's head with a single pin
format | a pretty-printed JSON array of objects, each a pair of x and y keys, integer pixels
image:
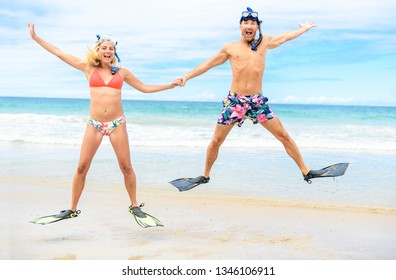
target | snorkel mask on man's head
[
  {"x": 103, "y": 38},
  {"x": 252, "y": 15}
]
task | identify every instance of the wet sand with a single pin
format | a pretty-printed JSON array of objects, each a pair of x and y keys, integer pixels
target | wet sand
[{"x": 197, "y": 227}]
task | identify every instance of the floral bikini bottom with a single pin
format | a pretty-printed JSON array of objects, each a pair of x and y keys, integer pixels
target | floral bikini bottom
[
  {"x": 107, "y": 127},
  {"x": 236, "y": 108}
]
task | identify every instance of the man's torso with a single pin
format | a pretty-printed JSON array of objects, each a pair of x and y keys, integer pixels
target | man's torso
[{"x": 247, "y": 66}]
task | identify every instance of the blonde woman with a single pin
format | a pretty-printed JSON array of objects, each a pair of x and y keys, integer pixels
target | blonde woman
[{"x": 106, "y": 118}]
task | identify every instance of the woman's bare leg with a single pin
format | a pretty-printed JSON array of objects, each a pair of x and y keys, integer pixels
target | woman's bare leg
[
  {"x": 91, "y": 142},
  {"x": 120, "y": 143}
]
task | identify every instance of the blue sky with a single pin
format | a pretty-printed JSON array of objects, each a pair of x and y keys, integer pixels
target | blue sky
[{"x": 350, "y": 58}]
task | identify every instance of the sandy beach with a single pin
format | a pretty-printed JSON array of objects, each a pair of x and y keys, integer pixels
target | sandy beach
[
  {"x": 256, "y": 206},
  {"x": 197, "y": 227}
]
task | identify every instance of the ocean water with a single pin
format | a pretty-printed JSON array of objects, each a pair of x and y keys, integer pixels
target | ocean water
[
  {"x": 191, "y": 124},
  {"x": 40, "y": 140}
]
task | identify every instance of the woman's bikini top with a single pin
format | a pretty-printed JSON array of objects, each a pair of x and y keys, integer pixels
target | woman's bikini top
[{"x": 96, "y": 80}]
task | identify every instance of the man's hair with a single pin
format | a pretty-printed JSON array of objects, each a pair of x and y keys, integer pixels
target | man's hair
[
  {"x": 250, "y": 18},
  {"x": 250, "y": 15}
]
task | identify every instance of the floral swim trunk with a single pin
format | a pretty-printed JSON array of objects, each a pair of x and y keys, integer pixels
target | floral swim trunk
[
  {"x": 106, "y": 127},
  {"x": 236, "y": 108}
]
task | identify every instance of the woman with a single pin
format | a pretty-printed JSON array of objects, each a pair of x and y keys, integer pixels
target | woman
[{"x": 106, "y": 119}]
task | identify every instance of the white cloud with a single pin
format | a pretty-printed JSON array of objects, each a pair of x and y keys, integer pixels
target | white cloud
[
  {"x": 332, "y": 100},
  {"x": 324, "y": 100},
  {"x": 159, "y": 40},
  {"x": 205, "y": 95},
  {"x": 291, "y": 99}
]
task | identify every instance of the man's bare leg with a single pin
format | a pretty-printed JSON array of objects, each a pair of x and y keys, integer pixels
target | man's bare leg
[
  {"x": 276, "y": 128},
  {"x": 212, "y": 152}
]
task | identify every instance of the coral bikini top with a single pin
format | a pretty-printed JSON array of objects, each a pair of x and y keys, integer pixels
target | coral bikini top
[{"x": 97, "y": 81}]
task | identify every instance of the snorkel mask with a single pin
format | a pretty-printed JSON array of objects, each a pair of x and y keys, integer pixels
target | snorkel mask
[
  {"x": 251, "y": 15},
  {"x": 103, "y": 38}
]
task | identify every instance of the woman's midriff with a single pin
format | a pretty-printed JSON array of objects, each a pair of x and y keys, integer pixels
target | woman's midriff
[{"x": 106, "y": 104}]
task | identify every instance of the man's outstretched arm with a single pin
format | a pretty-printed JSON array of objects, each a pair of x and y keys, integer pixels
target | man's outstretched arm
[
  {"x": 216, "y": 60},
  {"x": 278, "y": 40}
]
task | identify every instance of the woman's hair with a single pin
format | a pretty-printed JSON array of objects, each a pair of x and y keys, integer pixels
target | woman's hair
[{"x": 92, "y": 55}]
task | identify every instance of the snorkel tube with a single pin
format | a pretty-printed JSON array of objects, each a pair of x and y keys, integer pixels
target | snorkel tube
[
  {"x": 256, "y": 43},
  {"x": 114, "y": 69},
  {"x": 250, "y": 14}
]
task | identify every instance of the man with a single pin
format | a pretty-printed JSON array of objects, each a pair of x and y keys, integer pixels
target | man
[{"x": 245, "y": 98}]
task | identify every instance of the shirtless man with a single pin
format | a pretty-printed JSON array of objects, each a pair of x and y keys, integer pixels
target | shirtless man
[{"x": 245, "y": 98}]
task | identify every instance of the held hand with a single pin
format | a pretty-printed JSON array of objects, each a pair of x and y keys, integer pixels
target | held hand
[
  {"x": 176, "y": 82},
  {"x": 308, "y": 25},
  {"x": 181, "y": 81}
]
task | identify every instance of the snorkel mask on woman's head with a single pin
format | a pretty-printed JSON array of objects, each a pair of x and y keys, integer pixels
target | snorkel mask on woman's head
[
  {"x": 103, "y": 38},
  {"x": 252, "y": 15}
]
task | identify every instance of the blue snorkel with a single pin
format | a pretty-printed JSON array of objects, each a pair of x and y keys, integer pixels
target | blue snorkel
[
  {"x": 252, "y": 15},
  {"x": 114, "y": 69}
]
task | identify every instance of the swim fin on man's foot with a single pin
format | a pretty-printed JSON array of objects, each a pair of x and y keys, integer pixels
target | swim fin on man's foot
[
  {"x": 63, "y": 215},
  {"x": 143, "y": 219},
  {"x": 334, "y": 170},
  {"x": 185, "y": 184}
]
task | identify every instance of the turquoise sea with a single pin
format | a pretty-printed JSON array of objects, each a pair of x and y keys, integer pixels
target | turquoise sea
[
  {"x": 191, "y": 124},
  {"x": 169, "y": 139}
]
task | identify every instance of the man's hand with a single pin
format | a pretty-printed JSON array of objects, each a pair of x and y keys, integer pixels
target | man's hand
[
  {"x": 181, "y": 81},
  {"x": 31, "y": 29},
  {"x": 177, "y": 82},
  {"x": 308, "y": 25}
]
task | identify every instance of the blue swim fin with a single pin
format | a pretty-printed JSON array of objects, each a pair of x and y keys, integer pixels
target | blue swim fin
[
  {"x": 185, "y": 184},
  {"x": 334, "y": 170}
]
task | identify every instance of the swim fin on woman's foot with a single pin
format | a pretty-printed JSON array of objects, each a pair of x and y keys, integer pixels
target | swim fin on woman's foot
[
  {"x": 143, "y": 219},
  {"x": 63, "y": 215}
]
